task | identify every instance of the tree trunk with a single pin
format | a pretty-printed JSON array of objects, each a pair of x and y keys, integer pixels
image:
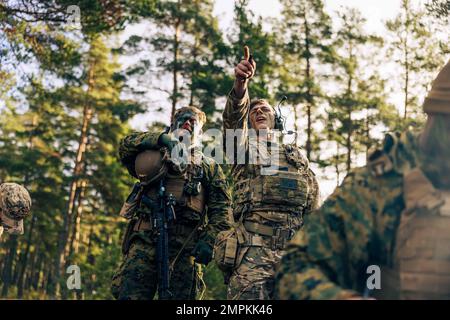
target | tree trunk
[
  {"x": 176, "y": 43},
  {"x": 309, "y": 97},
  {"x": 60, "y": 261},
  {"x": 194, "y": 70},
  {"x": 36, "y": 277},
  {"x": 24, "y": 260},
  {"x": 8, "y": 268},
  {"x": 336, "y": 167},
  {"x": 406, "y": 61},
  {"x": 349, "y": 112},
  {"x": 28, "y": 278},
  {"x": 75, "y": 239}
]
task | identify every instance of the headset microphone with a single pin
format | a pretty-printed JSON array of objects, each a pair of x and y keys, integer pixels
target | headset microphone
[{"x": 280, "y": 121}]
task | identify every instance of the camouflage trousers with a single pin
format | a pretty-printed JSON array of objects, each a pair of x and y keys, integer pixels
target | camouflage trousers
[
  {"x": 137, "y": 277},
  {"x": 254, "y": 279}
]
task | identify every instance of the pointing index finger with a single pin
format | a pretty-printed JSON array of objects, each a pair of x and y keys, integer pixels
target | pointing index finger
[{"x": 246, "y": 53}]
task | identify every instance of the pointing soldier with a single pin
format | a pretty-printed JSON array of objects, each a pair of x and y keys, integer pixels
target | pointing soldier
[{"x": 269, "y": 199}]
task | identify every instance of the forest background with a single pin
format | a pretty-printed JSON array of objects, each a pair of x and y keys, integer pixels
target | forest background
[{"x": 77, "y": 76}]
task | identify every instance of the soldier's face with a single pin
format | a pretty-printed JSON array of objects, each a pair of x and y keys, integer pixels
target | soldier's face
[
  {"x": 190, "y": 122},
  {"x": 262, "y": 117}
]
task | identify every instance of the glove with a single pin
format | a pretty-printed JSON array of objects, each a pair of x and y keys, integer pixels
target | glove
[
  {"x": 168, "y": 141},
  {"x": 202, "y": 252}
]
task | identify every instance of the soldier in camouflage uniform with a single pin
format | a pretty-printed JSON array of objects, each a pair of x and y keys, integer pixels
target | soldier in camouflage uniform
[
  {"x": 192, "y": 235},
  {"x": 15, "y": 205},
  {"x": 269, "y": 197},
  {"x": 393, "y": 213}
]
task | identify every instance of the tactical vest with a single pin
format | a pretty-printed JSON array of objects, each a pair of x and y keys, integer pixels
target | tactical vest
[
  {"x": 270, "y": 200},
  {"x": 186, "y": 188},
  {"x": 281, "y": 186},
  {"x": 421, "y": 258}
]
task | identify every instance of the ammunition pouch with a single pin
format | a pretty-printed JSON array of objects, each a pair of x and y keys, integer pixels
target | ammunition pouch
[
  {"x": 284, "y": 188},
  {"x": 226, "y": 253},
  {"x": 174, "y": 229},
  {"x": 265, "y": 236},
  {"x": 175, "y": 185}
]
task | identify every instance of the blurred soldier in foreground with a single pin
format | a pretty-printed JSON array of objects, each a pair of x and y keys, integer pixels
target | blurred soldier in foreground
[
  {"x": 269, "y": 197},
  {"x": 200, "y": 200},
  {"x": 393, "y": 213},
  {"x": 15, "y": 205}
]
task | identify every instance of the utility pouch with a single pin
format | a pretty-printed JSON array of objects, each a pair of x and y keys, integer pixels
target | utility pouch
[
  {"x": 131, "y": 203},
  {"x": 225, "y": 250}
]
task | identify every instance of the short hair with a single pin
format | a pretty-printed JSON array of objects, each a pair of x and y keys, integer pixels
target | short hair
[
  {"x": 256, "y": 102},
  {"x": 201, "y": 115}
]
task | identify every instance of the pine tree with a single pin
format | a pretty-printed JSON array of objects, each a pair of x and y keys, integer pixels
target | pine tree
[
  {"x": 354, "y": 110},
  {"x": 304, "y": 35},
  {"x": 418, "y": 54}
]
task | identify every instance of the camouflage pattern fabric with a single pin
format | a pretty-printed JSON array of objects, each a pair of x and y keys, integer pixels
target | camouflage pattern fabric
[
  {"x": 137, "y": 277},
  {"x": 15, "y": 205},
  {"x": 355, "y": 228},
  {"x": 254, "y": 278},
  {"x": 218, "y": 198},
  {"x": 253, "y": 275}
]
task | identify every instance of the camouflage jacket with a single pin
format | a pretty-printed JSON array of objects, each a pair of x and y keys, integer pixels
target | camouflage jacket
[
  {"x": 218, "y": 196},
  {"x": 355, "y": 228},
  {"x": 235, "y": 117}
]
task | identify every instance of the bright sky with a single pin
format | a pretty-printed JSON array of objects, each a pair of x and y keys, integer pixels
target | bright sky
[{"x": 376, "y": 11}]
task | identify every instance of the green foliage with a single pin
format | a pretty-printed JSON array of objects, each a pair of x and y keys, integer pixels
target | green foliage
[
  {"x": 304, "y": 44},
  {"x": 215, "y": 287},
  {"x": 62, "y": 90},
  {"x": 417, "y": 53},
  {"x": 353, "y": 110}
]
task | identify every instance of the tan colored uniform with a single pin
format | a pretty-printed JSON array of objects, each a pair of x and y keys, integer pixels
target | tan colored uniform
[{"x": 421, "y": 261}]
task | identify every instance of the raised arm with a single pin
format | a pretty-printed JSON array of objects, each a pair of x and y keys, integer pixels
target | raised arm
[{"x": 235, "y": 114}]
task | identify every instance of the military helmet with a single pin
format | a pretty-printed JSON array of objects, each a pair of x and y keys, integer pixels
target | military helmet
[
  {"x": 150, "y": 165},
  {"x": 15, "y": 205},
  {"x": 438, "y": 99}
]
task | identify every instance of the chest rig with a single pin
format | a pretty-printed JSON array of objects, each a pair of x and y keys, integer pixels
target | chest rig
[
  {"x": 270, "y": 198},
  {"x": 185, "y": 187},
  {"x": 280, "y": 185},
  {"x": 420, "y": 267}
]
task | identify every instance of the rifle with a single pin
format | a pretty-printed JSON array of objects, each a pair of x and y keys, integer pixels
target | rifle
[{"x": 164, "y": 214}]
